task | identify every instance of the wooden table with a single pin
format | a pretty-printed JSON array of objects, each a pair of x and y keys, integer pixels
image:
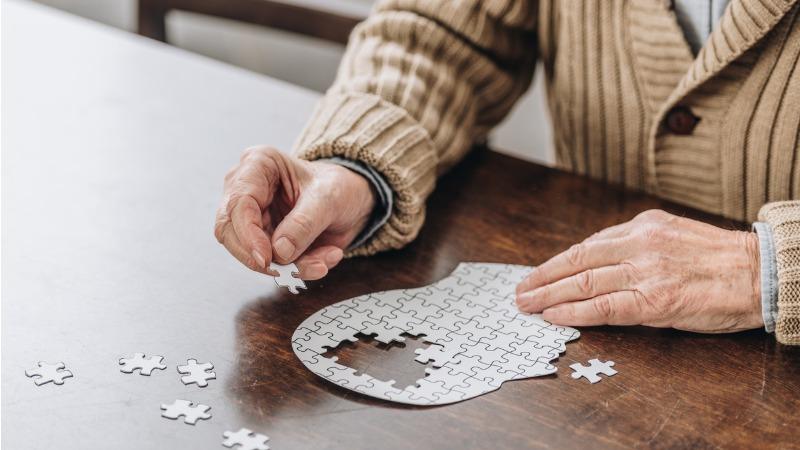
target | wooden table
[{"x": 114, "y": 149}]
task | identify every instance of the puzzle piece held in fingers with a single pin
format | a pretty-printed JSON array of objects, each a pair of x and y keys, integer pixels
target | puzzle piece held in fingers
[{"x": 286, "y": 277}]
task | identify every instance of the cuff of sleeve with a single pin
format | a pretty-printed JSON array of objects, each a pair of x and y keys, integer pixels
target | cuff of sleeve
[
  {"x": 383, "y": 136},
  {"x": 769, "y": 275},
  {"x": 383, "y": 204},
  {"x": 784, "y": 220}
]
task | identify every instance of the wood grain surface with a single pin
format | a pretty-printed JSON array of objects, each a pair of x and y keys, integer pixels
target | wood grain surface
[{"x": 112, "y": 170}]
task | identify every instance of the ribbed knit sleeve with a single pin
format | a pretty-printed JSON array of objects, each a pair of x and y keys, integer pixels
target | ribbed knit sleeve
[
  {"x": 422, "y": 81},
  {"x": 784, "y": 218}
]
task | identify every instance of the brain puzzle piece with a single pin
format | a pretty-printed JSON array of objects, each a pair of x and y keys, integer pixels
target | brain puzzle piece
[
  {"x": 286, "y": 277},
  {"x": 191, "y": 413},
  {"x": 144, "y": 365},
  {"x": 196, "y": 373},
  {"x": 591, "y": 371},
  {"x": 478, "y": 337},
  {"x": 45, "y": 373},
  {"x": 245, "y": 439}
]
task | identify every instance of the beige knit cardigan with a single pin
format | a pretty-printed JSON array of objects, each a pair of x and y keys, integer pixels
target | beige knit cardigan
[{"x": 423, "y": 80}]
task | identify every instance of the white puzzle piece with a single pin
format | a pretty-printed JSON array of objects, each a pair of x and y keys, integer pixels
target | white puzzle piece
[
  {"x": 245, "y": 439},
  {"x": 45, "y": 373},
  {"x": 145, "y": 366},
  {"x": 196, "y": 373},
  {"x": 591, "y": 371},
  {"x": 478, "y": 337},
  {"x": 286, "y": 277},
  {"x": 191, "y": 413}
]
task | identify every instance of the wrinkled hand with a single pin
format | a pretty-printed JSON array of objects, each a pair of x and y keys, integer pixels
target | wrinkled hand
[
  {"x": 658, "y": 270},
  {"x": 278, "y": 207}
]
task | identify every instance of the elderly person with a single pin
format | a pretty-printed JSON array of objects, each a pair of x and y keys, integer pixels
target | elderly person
[{"x": 694, "y": 101}]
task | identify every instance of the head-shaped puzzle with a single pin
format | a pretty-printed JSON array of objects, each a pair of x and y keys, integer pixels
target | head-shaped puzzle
[{"x": 478, "y": 337}]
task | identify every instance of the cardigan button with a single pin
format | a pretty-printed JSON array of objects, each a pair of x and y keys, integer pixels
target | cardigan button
[{"x": 680, "y": 120}]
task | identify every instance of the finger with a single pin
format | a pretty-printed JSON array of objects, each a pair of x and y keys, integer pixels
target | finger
[
  {"x": 228, "y": 238},
  {"x": 316, "y": 263},
  {"x": 246, "y": 218},
  {"x": 585, "y": 285},
  {"x": 612, "y": 232},
  {"x": 300, "y": 227},
  {"x": 617, "y": 308},
  {"x": 578, "y": 258}
]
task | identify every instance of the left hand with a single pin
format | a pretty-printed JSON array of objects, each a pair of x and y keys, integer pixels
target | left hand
[{"x": 658, "y": 270}]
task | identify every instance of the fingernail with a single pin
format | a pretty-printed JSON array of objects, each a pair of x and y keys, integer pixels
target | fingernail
[
  {"x": 284, "y": 248},
  {"x": 333, "y": 257},
  {"x": 316, "y": 271},
  {"x": 259, "y": 259},
  {"x": 553, "y": 314}
]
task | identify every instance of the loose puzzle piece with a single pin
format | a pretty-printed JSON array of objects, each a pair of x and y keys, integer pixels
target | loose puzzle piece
[
  {"x": 478, "y": 338},
  {"x": 590, "y": 372},
  {"x": 246, "y": 440},
  {"x": 286, "y": 277},
  {"x": 191, "y": 413},
  {"x": 48, "y": 373},
  {"x": 196, "y": 373},
  {"x": 145, "y": 366}
]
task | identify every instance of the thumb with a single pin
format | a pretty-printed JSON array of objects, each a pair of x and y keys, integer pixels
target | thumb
[{"x": 300, "y": 227}]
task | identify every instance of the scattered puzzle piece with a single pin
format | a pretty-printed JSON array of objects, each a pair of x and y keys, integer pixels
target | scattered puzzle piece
[
  {"x": 145, "y": 366},
  {"x": 478, "y": 338},
  {"x": 286, "y": 277},
  {"x": 48, "y": 373},
  {"x": 591, "y": 371},
  {"x": 246, "y": 440},
  {"x": 196, "y": 373},
  {"x": 191, "y": 413}
]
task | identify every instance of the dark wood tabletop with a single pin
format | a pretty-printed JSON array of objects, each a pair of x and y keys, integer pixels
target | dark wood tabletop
[{"x": 107, "y": 250}]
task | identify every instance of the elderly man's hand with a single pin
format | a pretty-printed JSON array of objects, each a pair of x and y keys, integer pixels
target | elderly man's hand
[
  {"x": 658, "y": 270},
  {"x": 279, "y": 207}
]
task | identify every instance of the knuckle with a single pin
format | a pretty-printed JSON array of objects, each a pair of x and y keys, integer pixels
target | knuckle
[
  {"x": 575, "y": 255},
  {"x": 652, "y": 215},
  {"x": 603, "y": 306},
  {"x": 303, "y": 224},
  {"x": 629, "y": 272},
  {"x": 258, "y": 153},
  {"x": 229, "y": 204},
  {"x": 231, "y": 174},
  {"x": 219, "y": 231},
  {"x": 652, "y": 233},
  {"x": 639, "y": 299},
  {"x": 584, "y": 282}
]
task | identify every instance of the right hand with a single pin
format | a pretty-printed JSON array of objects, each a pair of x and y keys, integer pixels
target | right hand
[{"x": 278, "y": 207}]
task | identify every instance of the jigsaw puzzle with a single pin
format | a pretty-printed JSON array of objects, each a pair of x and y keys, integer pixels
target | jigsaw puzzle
[
  {"x": 591, "y": 371},
  {"x": 48, "y": 373},
  {"x": 145, "y": 366},
  {"x": 286, "y": 277},
  {"x": 246, "y": 440},
  {"x": 196, "y": 373},
  {"x": 478, "y": 338},
  {"x": 191, "y": 413}
]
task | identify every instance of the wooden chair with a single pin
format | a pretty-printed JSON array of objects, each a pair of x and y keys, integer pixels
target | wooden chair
[{"x": 308, "y": 21}]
